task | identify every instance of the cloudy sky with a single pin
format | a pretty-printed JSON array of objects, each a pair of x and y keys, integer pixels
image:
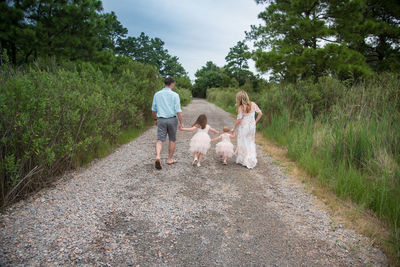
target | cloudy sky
[{"x": 196, "y": 31}]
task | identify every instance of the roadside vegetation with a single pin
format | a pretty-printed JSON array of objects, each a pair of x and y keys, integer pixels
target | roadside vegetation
[{"x": 73, "y": 86}]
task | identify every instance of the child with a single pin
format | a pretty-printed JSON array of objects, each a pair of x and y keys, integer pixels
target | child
[
  {"x": 224, "y": 148},
  {"x": 201, "y": 141}
]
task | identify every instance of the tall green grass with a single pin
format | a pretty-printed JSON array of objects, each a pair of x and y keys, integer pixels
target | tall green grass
[{"x": 345, "y": 135}]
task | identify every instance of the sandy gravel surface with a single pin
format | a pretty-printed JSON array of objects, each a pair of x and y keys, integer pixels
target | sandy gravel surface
[{"x": 120, "y": 211}]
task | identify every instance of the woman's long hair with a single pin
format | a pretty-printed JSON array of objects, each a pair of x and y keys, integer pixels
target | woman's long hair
[
  {"x": 201, "y": 121},
  {"x": 242, "y": 99}
]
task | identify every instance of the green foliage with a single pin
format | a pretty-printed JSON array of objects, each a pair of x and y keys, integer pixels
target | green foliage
[
  {"x": 370, "y": 27},
  {"x": 225, "y": 97},
  {"x": 237, "y": 66},
  {"x": 75, "y": 30},
  {"x": 208, "y": 76},
  {"x": 113, "y": 30},
  {"x": 68, "y": 29},
  {"x": 183, "y": 82},
  {"x": 53, "y": 115},
  {"x": 185, "y": 95},
  {"x": 151, "y": 51},
  {"x": 310, "y": 39}
]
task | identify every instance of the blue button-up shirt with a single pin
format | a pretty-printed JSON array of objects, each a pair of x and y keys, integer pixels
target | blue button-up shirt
[{"x": 166, "y": 103}]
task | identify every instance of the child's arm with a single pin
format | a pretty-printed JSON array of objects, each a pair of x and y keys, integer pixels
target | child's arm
[
  {"x": 188, "y": 129},
  {"x": 214, "y": 131},
  {"x": 233, "y": 135},
  {"x": 216, "y": 138}
]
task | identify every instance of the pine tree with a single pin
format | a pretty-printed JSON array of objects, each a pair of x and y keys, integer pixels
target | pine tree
[
  {"x": 237, "y": 63},
  {"x": 297, "y": 42}
]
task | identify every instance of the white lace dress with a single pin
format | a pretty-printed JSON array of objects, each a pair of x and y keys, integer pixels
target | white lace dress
[
  {"x": 201, "y": 141},
  {"x": 246, "y": 131},
  {"x": 225, "y": 147}
]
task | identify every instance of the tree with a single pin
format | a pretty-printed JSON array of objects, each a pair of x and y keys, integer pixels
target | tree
[
  {"x": 172, "y": 67},
  {"x": 67, "y": 29},
  {"x": 113, "y": 30},
  {"x": 183, "y": 82},
  {"x": 371, "y": 27},
  {"x": 12, "y": 28},
  {"x": 209, "y": 76},
  {"x": 297, "y": 42},
  {"x": 237, "y": 66},
  {"x": 151, "y": 51}
]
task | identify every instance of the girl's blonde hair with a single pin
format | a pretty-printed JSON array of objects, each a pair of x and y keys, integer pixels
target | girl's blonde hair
[
  {"x": 242, "y": 99},
  {"x": 226, "y": 129}
]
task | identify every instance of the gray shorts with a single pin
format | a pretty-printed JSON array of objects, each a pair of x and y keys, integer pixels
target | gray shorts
[{"x": 167, "y": 126}]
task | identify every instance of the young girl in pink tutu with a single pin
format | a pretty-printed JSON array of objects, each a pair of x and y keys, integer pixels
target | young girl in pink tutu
[
  {"x": 224, "y": 148},
  {"x": 201, "y": 141}
]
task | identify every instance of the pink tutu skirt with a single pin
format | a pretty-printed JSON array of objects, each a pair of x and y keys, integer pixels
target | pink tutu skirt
[
  {"x": 200, "y": 143},
  {"x": 224, "y": 148}
]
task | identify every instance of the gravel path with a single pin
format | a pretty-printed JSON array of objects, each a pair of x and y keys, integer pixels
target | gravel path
[{"x": 121, "y": 211}]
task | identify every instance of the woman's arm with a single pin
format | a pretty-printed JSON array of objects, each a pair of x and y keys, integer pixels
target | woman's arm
[
  {"x": 259, "y": 112},
  {"x": 214, "y": 131},
  {"x": 188, "y": 129},
  {"x": 238, "y": 121},
  {"x": 216, "y": 138},
  {"x": 259, "y": 115}
]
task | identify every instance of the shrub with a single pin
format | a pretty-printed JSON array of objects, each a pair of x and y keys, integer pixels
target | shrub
[{"x": 52, "y": 114}]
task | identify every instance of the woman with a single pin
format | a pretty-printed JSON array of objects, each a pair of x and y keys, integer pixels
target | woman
[{"x": 246, "y": 125}]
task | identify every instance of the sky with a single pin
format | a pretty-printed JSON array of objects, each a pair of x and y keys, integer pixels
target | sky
[{"x": 196, "y": 31}]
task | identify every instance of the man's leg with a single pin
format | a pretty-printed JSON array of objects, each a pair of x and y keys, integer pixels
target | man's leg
[
  {"x": 172, "y": 128},
  {"x": 161, "y": 136},
  {"x": 171, "y": 149},
  {"x": 158, "y": 149}
]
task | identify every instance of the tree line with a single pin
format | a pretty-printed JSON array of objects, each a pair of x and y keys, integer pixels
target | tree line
[
  {"x": 301, "y": 40},
  {"x": 76, "y": 30}
]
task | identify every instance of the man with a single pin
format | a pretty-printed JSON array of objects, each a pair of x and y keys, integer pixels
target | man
[{"x": 166, "y": 108}]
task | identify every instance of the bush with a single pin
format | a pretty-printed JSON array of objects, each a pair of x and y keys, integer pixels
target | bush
[
  {"x": 53, "y": 114},
  {"x": 185, "y": 95}
]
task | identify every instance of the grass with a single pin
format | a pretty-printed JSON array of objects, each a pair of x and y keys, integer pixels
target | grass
[
  {"x": 336, "y": 160},
  {"x": 105, "y": 148}
]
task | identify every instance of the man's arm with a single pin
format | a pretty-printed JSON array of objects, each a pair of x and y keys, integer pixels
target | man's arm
[
  {"x": 154, "y": 116},
  {"x": 154, "y": 110},
  {"x": 178, "y": 110},
  {"x": 179, "y": 114}
]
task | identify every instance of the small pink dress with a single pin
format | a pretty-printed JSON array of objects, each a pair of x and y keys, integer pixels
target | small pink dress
[
  {"x": 225, "y": 147},
  {"x": 201, "y": 141}
]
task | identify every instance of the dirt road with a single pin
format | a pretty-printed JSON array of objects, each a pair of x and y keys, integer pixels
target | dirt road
[{"x": 121, "y": 211}]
